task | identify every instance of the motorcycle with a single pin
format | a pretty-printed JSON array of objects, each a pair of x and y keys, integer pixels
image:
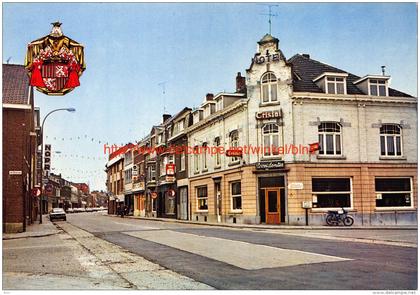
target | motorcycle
[{"x": 339, "y": 216}]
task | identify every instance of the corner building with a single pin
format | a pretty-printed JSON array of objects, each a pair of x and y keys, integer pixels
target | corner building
[{"x": 367, "y": 135}]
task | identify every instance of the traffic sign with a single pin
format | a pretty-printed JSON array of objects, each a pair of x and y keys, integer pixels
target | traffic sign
[{"x": 36, "y": 192}]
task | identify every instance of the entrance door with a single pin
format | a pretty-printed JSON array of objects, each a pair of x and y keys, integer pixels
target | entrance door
[
  {"x": 218, "y": 201},
  {"x": 183, "y": 194},
  {"x": 272, "y": 205}
]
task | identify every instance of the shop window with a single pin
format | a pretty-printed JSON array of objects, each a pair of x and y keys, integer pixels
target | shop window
[
  {"x": 268, "y": 88},
  {"x": 329, "y": 135},
  {"x": 393, "y": 192},
  {"x": 202, "y": 198},
  {"x": 271, "y": 139},
  {"x": 169, "y": 204},
  {"x": 331, "y": 192},
  {"x": 390, "y": 137},
  {"x": 236, "y": 195}
]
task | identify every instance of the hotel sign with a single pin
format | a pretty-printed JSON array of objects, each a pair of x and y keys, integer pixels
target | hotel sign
[
  {"x": 269, "y": 115},
  {"x": 47, "y": 158},
  {"x": 270, "y": 165},
  {"x": 266, "y": 58}
]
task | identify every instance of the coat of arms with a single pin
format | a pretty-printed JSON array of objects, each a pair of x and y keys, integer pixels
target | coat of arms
[{"x": 55, "y": 62}]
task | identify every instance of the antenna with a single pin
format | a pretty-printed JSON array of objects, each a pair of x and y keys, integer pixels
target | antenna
[
  {"x": 162, "y": 85},
  {"x": 270, "y": 14},
  {"x": 383, "y": 70},
  {"x": 7, "y": 61}
]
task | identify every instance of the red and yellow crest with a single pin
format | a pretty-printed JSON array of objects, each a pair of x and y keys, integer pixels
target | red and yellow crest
[{"x": 55, "y": 63}]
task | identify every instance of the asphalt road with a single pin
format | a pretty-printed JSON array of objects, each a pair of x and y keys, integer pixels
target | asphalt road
[{"x": 225, "y": 258}]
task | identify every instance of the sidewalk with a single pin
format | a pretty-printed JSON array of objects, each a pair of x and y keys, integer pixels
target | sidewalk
[
  {"x": 279, "y": 227},
  {"x": 47, "y": 228}
]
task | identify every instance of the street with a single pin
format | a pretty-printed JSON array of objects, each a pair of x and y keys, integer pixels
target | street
[{"x": 94, "y": 250}]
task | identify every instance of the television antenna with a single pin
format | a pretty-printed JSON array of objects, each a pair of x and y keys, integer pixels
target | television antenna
[
  {"x": 270, "y": 14},
  {"x": 163, "y": 87}
]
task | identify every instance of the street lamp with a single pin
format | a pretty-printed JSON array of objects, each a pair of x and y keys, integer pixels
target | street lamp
[{"x": 42, "y": 156}]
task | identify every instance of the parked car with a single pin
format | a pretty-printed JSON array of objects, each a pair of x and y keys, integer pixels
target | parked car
[
  {"x": 89, "y": 210},
  {"x": 70, "y": 210},
  {"x": 57, "y": 213}
]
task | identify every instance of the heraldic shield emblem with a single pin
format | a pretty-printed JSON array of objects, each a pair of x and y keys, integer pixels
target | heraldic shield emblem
[{"x": 55, "y": 62}]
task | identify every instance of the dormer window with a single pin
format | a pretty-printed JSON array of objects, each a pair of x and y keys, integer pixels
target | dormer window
[
  {"x": 377, "y": 87},
  {"x": 373, "y": 85},
  {"x": 219, "y": 105},
  {"x": 268, "y": 88},
  {"x": 332, "y": 83},
  {"x": 336, "y": 85}
]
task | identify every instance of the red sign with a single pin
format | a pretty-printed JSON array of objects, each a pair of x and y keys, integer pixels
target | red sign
[
  {"x": 36, "y": 192},
  {"x": 170, "y": 169},
  {"x": 154, "y": 195},
  {"x": 55, "y": 62},
  {"x": 313, "y": 147},
  {"x": 48, "y": 189},
  {"x": 234, "y": 153}
]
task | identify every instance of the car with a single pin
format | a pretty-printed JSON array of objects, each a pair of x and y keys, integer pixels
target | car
[
  {"x": 57, "y": 213},
  {"x": 89, "y": 210},
  {"x": 70, "y": 210}
]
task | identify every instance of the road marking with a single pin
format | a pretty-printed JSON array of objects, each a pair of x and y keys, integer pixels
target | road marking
[{"x": 237, "y": 253}]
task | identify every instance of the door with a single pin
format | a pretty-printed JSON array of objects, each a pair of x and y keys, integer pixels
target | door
[
  {"x": 183, "y": 195},
  {"x": 218, "y": 201},
  {"x": 272, "y": 205}
]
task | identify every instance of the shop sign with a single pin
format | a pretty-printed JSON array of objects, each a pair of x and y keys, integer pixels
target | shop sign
[
  {"x": 138, "y": 186},
  {"x": 153, "y": 195},
  {"x": 169, "y": 178},
  {"x": 270, "y": 165},
  {"x": 55, "y": 62},
  {"x": 234, "y": 152},
  {"x": 295, "y": 185},
  {"x": 170, "y": 169},
  {"x": 306, "y": 204},
  {"x": 269, "y": 115},
  {"x": 48, "y": 189},
  {"x": 16, "y": 172}
]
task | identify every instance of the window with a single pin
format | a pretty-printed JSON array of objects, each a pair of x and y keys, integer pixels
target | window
[
  {"x": 236, "y": 195},
  {"x": 329, "y": 138},
  {"x": 234, "y": 143},
  {"x": 202, "y": 198},
  {"x": 163, "y": 163},
  {"x": 196, "y": 159},
  {"x": 182, "y": 160},
  {"x": 269, "y": 88},
  {"x": 127, "y": 176},
  {"x": 390, "y": 137},
  {"x": 377, "y": 87},
  {"x": 217, "y": 158},
  {"x": 204, "y": 155},
  {"x": 393, "y": 192},
  {"x": 219, "y": 105},
  {"x": 331, "y": 192},
  {"x": 335, "y": 85},
  {"x": 271, "y": 139},
  {"x": 151, "y": 173}
]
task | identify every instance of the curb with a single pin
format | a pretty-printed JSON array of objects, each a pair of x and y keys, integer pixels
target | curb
[
  {"x": 279, "y": 227},
  {"x": 32, "y": 235}
]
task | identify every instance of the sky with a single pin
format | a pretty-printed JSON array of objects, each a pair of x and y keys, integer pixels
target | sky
[{"x": 146, "y": 58}]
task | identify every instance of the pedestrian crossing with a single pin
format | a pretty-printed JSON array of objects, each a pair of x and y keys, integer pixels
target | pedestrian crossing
[{"x": 237, "y": 253}]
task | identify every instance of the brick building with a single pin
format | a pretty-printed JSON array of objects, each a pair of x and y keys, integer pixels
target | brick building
[{"x": 21, "y": 140}]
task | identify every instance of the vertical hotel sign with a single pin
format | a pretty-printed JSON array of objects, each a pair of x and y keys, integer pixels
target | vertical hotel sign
[
  {"x": 55, "y": 62},
  {"x": 47, "y": 159}
]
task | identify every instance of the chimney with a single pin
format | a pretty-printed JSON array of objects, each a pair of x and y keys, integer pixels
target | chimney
[
  {"x": 166, "y": 117},
  {"x": 383, "y": 70},
  {"x": 209, "y": 96},
  {"x": 240, "y": 83},
  {"x": 306, "y": 55}
]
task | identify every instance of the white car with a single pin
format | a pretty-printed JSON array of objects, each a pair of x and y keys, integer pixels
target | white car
[{"x": 57, "y": 213}]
